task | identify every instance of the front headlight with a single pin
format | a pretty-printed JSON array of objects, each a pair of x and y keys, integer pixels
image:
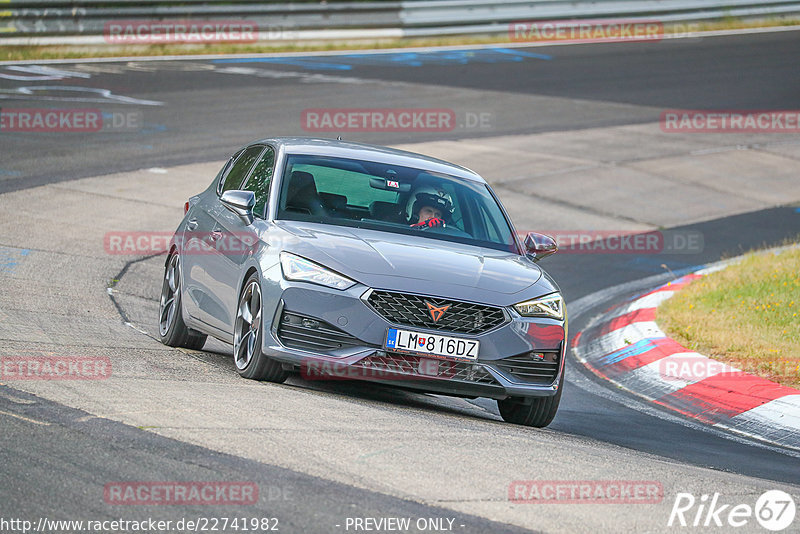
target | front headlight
[
  {"x": 550, "y": 306},
  {"x": 303, "y": 270}
]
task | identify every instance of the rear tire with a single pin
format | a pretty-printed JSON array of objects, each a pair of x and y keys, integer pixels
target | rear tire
[
  {"x": 171, "y": 327},
  {"x": 536, "y": 411},
  {"x": 247, "y": 334}
]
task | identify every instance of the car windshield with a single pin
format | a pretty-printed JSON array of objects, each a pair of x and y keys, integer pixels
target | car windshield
[{"x": 391, "y": 198}]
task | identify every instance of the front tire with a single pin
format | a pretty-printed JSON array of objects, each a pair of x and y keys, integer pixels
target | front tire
[
  {"x": 536, "y": 411},
  {"x": 247, "y": 334},
  {"x": 171, "y": 327}
]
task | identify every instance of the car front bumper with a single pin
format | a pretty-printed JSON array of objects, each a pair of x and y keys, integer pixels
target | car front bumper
[{"x": 328, "y": 334}]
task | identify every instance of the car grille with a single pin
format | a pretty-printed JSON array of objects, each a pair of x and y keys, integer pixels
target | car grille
[
  {"x": 533, "y": 368},
  {"x": 302, "y": 332},
  {"x": 412, "y": 310},
  {"x": 389, "y": 364}
]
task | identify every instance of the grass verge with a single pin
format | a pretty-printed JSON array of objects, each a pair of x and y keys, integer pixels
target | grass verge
[
  {"x": 44, "y": 52},
  {"x": 747, "y": 315}
]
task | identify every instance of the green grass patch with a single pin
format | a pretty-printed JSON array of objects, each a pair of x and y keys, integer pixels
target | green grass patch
[{"x": 747, "y": 315}]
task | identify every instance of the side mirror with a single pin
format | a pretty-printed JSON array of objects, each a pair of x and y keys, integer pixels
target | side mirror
[
  {"x": 241, "y": 203},
  {"x": 540, "y": 246}
]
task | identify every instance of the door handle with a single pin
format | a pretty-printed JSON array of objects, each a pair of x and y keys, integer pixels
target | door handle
[{"x": 191, "y": 224}]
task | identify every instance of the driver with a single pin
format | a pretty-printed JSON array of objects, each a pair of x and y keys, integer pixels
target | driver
[{"x": 429, "y": 208}]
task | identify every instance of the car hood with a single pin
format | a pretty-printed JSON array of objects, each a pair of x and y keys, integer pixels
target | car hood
[{"x": 356, "y": 251}]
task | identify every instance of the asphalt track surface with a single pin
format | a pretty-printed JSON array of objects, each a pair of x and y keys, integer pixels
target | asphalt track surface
[
  {"x": 208, "y": 115},
  {"x": 54, "y": 466}
]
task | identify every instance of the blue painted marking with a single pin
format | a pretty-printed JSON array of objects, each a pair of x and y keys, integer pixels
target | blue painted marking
[
  {"x": 391, "y": 338},
  {"x": 405, "y": 59},
  {"x": 797, "y": 210},
  {"x": 10, "y": 258},
  {"x": 146, "y": 129},
  {"x": 7, "y": 172},
  {"x": 640, "y": 347},
  {"x": 152, "y": 128},
  {"x": 305, "y": 62},
  {"x": 520, "y": 53}
]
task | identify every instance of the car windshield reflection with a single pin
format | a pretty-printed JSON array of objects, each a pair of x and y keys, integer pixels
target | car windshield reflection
[{"x": 392, "y": 198}]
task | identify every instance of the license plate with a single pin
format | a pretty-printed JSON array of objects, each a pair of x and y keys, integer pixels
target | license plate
[{"x": 431, "y": 344}]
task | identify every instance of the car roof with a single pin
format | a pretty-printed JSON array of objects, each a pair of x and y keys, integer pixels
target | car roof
[{"x": 380, "y": 154}]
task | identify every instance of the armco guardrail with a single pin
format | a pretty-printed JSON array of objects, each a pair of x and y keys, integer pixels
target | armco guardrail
[
  {"x": 476, "y": 16},
  {"x": 85, "y": 21}
]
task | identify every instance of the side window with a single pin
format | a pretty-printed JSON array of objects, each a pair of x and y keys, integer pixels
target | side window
[
  {"x": 224, "y": 170},
  {"x": 260, "y": 180},
  {"x": 240, "y": 167}
]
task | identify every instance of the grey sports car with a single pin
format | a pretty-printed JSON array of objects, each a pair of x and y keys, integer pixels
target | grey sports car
[{"x": 342, "y": 260}]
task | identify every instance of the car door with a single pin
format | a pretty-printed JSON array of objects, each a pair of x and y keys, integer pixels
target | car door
[
  {"x": 193, "y": 242},
  {"x": 239, "y": 237},
  {"x": 206, "y": 281}
]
